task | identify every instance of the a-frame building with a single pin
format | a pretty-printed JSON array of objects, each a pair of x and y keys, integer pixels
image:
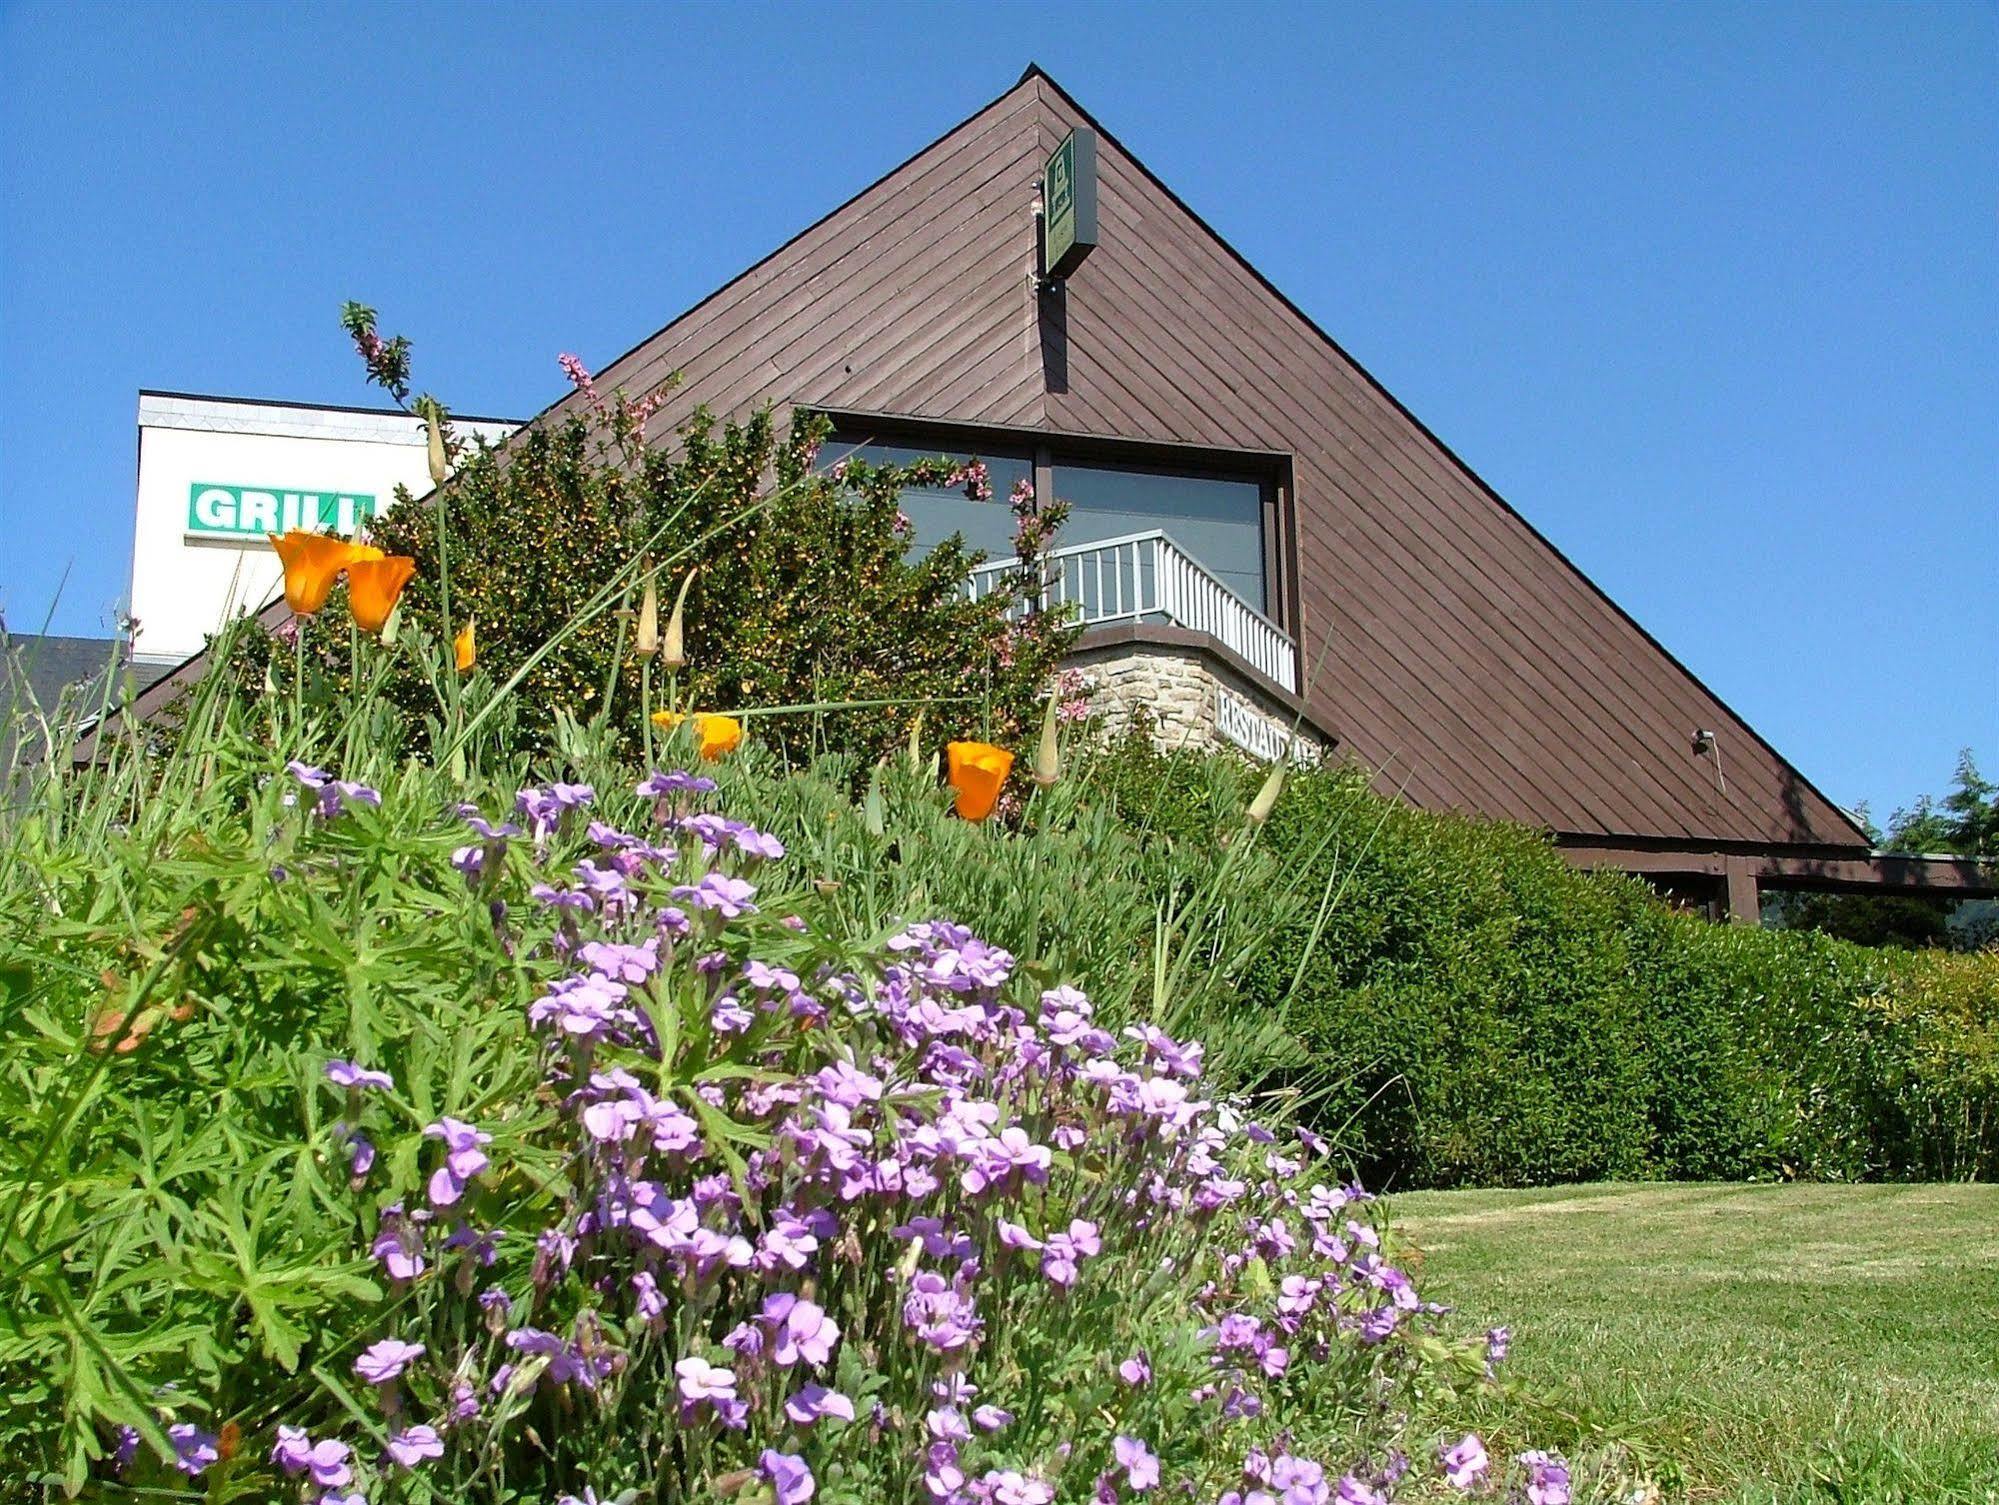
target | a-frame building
[
  {"x": 1286, "y": 543},
  {"x": 1439, "y": 638}
]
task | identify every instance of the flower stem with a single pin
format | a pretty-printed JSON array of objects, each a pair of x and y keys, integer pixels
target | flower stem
[
  {"x": 444, "y": 599},
  {"x": 645, "y": 707}
]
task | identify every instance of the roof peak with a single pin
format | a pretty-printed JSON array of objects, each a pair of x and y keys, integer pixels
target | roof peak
[{"x": 1036, "y": 71}]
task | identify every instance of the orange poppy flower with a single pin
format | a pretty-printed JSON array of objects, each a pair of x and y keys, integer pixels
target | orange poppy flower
[
  {"x": 313, "y": 561},
  {"x": 374, "y": 586},
  {"x": 463, "y": 648},
  {"x": 719, "y": 735},
  {"x": 977, "y": 770},
  {"x": 716, "y": 734}
]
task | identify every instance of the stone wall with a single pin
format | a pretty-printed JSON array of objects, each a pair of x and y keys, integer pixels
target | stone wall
[{"x": 1194, "y": 701}]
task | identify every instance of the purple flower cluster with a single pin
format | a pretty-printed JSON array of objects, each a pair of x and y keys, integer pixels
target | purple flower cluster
[
  {"x": 465, "y": 1157},
  {"x": 331, "y": 796},
  {"x": 476, "y": 860},
  {"x": 546, "y": 809},
  {"x": 819, "y": 1199}
]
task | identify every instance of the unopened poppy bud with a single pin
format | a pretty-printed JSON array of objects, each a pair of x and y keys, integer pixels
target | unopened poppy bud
[
  {"x": 1048, "y": 752},
  {"x": 873, "y": 812},
  {"x": 1266, "y": 797},
  {"x": 647, "y": 640},
  {"x": 437, "y": 457},
  {"x": 673, "y": 649},
  {"x": 465, "y": 647},
  {"x": 916, "y": 742}
]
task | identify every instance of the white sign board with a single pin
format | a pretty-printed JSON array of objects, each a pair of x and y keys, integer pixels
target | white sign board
[
  {"x": 217, "y": 475},
  {"x": 217, "y": 510},
  {"x": 1244, "y": 725}
]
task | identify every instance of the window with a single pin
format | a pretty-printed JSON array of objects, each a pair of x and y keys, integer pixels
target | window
[
  {"x": 1216, "y": 520},
  {"x": 934, "y": 513},
  {"x": 1218, "y": 510}
]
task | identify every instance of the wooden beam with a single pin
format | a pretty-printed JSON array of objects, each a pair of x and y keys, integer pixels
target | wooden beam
[
  {"x": 1644, "y": 860},
  {"x": 1959, "y": 877},
  {"x": 1745, "y": 905},
  {"x": 1870, "y": 872}
]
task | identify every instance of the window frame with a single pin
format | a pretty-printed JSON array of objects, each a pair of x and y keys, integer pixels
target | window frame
[{"x": 1272, "y": 470}]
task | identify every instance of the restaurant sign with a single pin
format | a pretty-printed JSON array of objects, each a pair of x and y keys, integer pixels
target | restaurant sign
[
  {"x": 218, "y": 511},
  {"x": 1069, "y": 204},
  {"x": 1256, "y": 734}
]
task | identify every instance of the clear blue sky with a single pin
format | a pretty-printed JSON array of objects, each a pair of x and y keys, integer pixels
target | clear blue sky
[{"x": 1709, "y": 292}]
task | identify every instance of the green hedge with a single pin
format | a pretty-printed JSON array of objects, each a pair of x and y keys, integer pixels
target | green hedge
[{"x": 1482, "y": 1012}]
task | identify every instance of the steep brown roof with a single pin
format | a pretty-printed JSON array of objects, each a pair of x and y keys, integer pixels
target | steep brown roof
[
  {"x": 1454, "y": 647},
  {"x": 1448, "y": 643}
]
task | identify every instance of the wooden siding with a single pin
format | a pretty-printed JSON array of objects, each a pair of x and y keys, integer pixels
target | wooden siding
[{"x": 1445, "y": 642}]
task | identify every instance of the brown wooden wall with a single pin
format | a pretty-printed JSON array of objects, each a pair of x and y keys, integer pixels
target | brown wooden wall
[{"x": 1453, "y": 648}]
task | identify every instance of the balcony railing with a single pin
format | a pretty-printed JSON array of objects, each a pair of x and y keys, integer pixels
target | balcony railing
[{"x": 1146, "y": 577}]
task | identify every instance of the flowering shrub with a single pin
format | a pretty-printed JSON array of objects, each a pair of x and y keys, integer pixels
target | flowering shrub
[
  {"x": 800, "y": 586},
  {"x": 799, "y": 1215}
]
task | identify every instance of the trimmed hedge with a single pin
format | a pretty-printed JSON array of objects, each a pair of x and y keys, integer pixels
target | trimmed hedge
[{"x": 1482, "y": 1012}]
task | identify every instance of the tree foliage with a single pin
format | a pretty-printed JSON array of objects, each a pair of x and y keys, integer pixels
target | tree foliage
[{"x": 1965, "y": 822}]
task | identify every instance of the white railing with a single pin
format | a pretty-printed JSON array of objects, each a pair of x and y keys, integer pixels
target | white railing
[{"x": 1147, "y": 577}]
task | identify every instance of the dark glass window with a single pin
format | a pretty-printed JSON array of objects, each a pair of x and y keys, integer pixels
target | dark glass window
[
  {"x": 1217, "y": 521},
  {"x": 934, "y": 513}
]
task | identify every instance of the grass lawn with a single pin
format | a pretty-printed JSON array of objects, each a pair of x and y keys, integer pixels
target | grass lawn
[{"x": 1782, "y": 1343}]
